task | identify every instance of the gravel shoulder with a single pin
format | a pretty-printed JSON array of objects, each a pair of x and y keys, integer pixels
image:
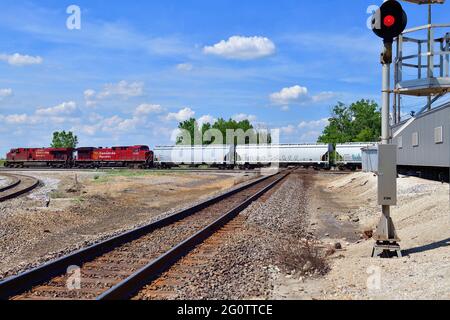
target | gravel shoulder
[
  {"x": 72, "y": 210},
  {"x": 344, "y": 207}
]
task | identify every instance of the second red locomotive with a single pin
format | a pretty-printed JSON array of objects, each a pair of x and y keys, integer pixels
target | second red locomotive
[{"x": 139, "y": 157}]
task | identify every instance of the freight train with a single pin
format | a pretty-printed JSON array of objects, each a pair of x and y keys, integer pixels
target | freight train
[{"x": 217, "y": 156}]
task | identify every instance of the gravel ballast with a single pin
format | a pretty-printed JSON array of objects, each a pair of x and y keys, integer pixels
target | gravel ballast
[{"x": 245, "y": 261}]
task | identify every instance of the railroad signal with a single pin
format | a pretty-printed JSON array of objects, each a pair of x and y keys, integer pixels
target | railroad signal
[{"x": 389, "y": 21}]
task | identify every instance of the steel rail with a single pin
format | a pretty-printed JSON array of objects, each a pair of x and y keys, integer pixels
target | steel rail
[
  {"x": 127, "y": 288},
  {"x": 15, "y": 183},
  {"x": 21, "y": 283},
  {"x": 21, "y": 191}
]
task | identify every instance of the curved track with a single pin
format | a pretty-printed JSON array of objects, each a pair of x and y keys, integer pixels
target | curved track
[
  {"x": 120, "y": 267},
  {"x": 18, "y": 185}
]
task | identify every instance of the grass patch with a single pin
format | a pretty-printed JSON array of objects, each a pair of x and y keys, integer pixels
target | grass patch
[
  {"x": 78, "y": 200},
  {"x": 2, "y": 163},
  {"x": 128, "y": 173},
  {"x": 58, "y": 194}
]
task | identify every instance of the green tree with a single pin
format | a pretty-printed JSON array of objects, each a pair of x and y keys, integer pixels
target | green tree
[
  {"x": 221, "y": 125},
  {"x": 64, "y": 139},
  {"x": 359, "y": 122},
  {"x": 190, "y": 126}
]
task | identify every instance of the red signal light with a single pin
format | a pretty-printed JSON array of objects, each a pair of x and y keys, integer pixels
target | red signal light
[{"x": 389, "y": 21}]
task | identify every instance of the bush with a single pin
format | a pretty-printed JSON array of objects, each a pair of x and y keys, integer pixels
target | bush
[{"x": 301, "y": 258}]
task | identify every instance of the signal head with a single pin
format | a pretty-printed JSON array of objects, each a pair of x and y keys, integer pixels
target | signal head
[{"x": 389, "y": 21}]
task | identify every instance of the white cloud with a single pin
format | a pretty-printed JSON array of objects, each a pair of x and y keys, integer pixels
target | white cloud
[
  {"x": 4, "y": 93},
  {"x": 182, "y": 115},
  {"x": 87, "y": 130},
  {"x": 123, "y": 89},
  {"x": 130, "y": 124},
  {"x": 324, "y": 96},
  {"x": 298, "y": 94},
  {"x": 146, "y": 109},
  {"x": 65, "y": 108},
  {"x": 111, "y": 125},
  {"x": 17, "y": 119},
  {"x": 206, "y": 119},
  {"x": 289, "y": 95},
  {"x": 288, "y": 130},
  {"x": 310, "y": 137},
  {"x": 89, "y": 97},
  {"x": 315, "y": 124},
  {"x": 20, "y": 60},
  {"x": 89, "y": 94},
  {"x": 242, "y": 48},
  {"x": 243, "y": 116},
  {"x": 185, "y": 67}
]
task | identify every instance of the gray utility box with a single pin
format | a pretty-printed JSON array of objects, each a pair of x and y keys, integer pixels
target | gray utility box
[{"x": 387, "y": 175}]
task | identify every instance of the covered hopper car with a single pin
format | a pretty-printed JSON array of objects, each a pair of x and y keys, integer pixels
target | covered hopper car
[
  {"x": 219, "y": 156},
  {"x": 315, "y": 155}
]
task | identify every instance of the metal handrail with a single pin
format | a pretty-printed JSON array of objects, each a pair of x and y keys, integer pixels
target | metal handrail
[
  {"x": 443, "y": 53},
  {"x": 426, "y": 27},
  {"x": 431, "y": 62}
]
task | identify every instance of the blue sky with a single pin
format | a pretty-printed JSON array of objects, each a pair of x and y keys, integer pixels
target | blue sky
[{"x": 138, "y": 67}]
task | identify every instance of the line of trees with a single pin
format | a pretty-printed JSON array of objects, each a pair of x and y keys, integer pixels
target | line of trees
[
  {"x": 357, "y": 122},
  {"x": 217, "y": 133}
]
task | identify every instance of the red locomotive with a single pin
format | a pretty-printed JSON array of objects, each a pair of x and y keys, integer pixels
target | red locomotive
[
  {"x": 138, "y": 157},
  {"x": 40, "y": 157}
]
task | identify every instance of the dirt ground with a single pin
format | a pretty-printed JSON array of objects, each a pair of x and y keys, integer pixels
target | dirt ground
[
  {"x": 344, "y": 206},
  {"x": 74, "y": 209}
]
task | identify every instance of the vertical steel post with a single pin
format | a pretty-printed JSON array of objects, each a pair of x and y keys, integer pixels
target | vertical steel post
[
  {"x": 399, "y": 76},
  {"x": 385, "y": 129},
  {"x": 386, "y": 235},
  {"x": 430, "y": 51},
  {"x": 447, "y": 48}
]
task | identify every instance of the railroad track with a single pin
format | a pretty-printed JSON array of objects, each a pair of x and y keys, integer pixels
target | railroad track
[
  {"x": 18, "y": 185},
  {"x": 118, "y": 268},
  {"x": 112, "y": 169}
]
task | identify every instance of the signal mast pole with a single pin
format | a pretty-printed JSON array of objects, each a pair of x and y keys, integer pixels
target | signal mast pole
[
  {"x": 386, "y": 236},
  {"x": 388, "y": 23}
]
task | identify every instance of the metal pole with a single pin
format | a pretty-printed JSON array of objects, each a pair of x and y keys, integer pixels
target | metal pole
[
  {"x": 385, "y": 130},
  {"x": 386, "y": 236},
  {"x": 386, "y": 100},
  {"x": 430, "y": 49}
]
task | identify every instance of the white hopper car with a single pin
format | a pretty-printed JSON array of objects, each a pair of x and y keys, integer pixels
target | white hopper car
[
  {"x": 350, "y": 154},
  {"x": 214, "y": 155},
  {"x": 284, "y": 155},
  {"x": 252, "y": 156}
]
